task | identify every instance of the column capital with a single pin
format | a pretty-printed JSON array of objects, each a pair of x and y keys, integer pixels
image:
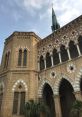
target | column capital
[
  {"x": 78, "y": 95},
  {"x": 51, "y": 53}
]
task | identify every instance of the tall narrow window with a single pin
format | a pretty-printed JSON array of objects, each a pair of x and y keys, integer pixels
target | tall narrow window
[
  {"x": 1, "y": 97},
  {"x": 64, "y": 54},
  {"x": 20, "y": 58},
  {"x": 55, "y": 57},
  {"x": 5, "y": 61},
  {"x": 22, "y": 102},
  {"x": 25, "y": 58},
  {"x": 48, "y": 60},
  {"x": 15, "y": 102},
  {"x": 18, "y": 103},
  {"x": 73, "y": 50},
  {"x": 8, "y": 57},
  {"x": 80, "y": 43},
  {"x": 42, "y": 63}
]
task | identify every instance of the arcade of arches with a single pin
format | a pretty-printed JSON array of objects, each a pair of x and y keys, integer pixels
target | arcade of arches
[
  {"x": 66, "y": 98},
  {"x": 64, "y": 54}
]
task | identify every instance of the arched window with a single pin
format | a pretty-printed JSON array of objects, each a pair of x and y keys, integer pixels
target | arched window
[
  {"x": 20, "y": 58},
  {"x": 64, "y": 54},
  {"x": 5, "y": 61},
  {"x": 48, "y": 60},
  {"x": 55, "y": 57},
  {"x": 19, "y": 100},
  {"x": 25, "y": 58},
  {"x": 8, "y": 57},
  {"x": 42, "y": 63},
  {"x": 80, "y": 43},
  {"x": 73, "y": 50},
  {"x": 1, "y": 94}
]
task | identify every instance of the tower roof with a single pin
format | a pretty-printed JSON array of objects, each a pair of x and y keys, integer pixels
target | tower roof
[{"x": 55, "y": 24}]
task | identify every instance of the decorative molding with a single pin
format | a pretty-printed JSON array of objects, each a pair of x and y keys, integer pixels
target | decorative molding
[
  {"x": 18, "y": 82},
  {"x": 42, "y": 86},
  {"x": 58, "y": 81},
  {"x": 77, "y": 81}
]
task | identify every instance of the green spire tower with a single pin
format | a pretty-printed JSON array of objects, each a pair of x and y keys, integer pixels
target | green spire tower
[{"x": 55, "y": 24}]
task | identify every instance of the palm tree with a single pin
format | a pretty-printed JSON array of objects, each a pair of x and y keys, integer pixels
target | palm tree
[
  {"x": 36, "y": 109},
  {"x": 77, "y": 108}
]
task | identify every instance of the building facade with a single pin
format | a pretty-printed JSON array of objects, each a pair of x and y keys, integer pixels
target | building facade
[{"x": 48, "y": 69}]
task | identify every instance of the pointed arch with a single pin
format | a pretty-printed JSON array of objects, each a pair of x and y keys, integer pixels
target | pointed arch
[
  {"x": 20, "y": 57},
  {"x": 77, "y": 81},
  {"x": 58, "y": 81},
  {"x": 73, "y": 50},
  {"x": 55, "y": 57},
  {"x": 48, "y": 60},
  {"x": 67, "y": 97},
  {"x": 64, "y": 54},
  {"x": 19, "y": 97},
  {"x": 25, "y": 57},
  {"x": 40, "y": 90},
  {"x": 18, "y": 82},
  {"x": 42, "y": 66},
  {"x": 80, "y": 43}
]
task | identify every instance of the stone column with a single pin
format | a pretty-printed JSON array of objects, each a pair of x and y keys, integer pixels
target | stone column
[
  {"x": 60, "y": 57},
  {"x": 68, "y": 53},
  {"x": 45, "y": 62},
  {"x": 78, "y": 95},
  {"x": 38, "y": 65},
  {"x": 57, "y": 106},
  {"x": 78, "y": 50},
  {"x": 52, "y": 59}
]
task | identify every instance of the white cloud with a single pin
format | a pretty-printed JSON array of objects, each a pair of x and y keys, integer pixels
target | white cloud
[{"x": 66, "y": 10}]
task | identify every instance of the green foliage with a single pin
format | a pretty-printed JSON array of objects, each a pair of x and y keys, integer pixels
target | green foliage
[
  {"x": 77, "y": 107},
  {"x": 35, "y": 109}
]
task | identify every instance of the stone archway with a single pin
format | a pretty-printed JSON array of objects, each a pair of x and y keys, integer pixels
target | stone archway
[
  {"x": 48, "y": 98},
  {"x": 66, "y": 97}
]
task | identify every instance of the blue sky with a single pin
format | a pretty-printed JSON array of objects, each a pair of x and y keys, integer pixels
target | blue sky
[{"x": 34, "y": 15}]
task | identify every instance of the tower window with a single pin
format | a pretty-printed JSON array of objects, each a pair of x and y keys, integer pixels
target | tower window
[
  {"x": 25, "y": 58},
  {"x": 7, "y": 57},
  {"x": 5, "y": 62},
  {"x": 20, "y": 58},
  {"x": 1, "y": 95}
]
